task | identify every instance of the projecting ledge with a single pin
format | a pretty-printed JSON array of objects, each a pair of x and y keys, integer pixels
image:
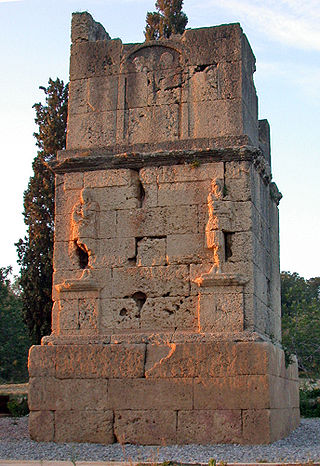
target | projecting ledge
[{"x": 221, "y": 279}]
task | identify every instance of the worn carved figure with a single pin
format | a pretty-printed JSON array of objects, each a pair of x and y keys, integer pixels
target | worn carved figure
[
  {"x": 85, "y": 228},
  {"x": 218, "y": 216}
]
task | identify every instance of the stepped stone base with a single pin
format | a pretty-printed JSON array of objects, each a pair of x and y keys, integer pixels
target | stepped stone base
[{"x": 162, "y": 393}]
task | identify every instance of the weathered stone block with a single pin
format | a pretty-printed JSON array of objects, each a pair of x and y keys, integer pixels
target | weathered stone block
[
  {"x": 107, "y": 224},
  {"x": 221, "y": 312},
  {"x": 206, "y": 118},
  {"x": 88, "y": 315},
  {"x": 188, "y": 172},
  {"x": 98, "y": 58},
  {"x": 84, "y": 426},
  {"x": 267, "y": 425},
  {"x": 218, "y": 359},
  {"x": 151, "y": 394},
  {"x": 152, "y": 251},
  {"x": 157, "y": 221},
  {"x": 135, "y": 87},
  {"x": 84, "y": 28},
  {"x": 238, "y": 180},
  {"x": 68, "y": 314},
  {"x": 87, "y": 130},
  {"x": 65, "y": 256},
  {"x": 199, "y": 49},
  {"x": 241, "y": 248},
  {"x": 204, "y": 83},
  {"x": 151, "y": 124},
  {"x": 183, "y": 193},
  {"x": 42, "y": 391},
  {"x": 169, "y": 313},
  {"x": 78, "y": 91},
  {"x": 45, "y": 419},
  {"x": 116, "y": 197},
  {"x": 284, "y": 393},
  {"x": 99, "y": 361},
  {"x": 230, "y": 86},
  {"x": 65, "y": 201},
  {"x": 209, "y": 426},
  {"x": 152, "y": 281},
  {"x": 116, "y": 252},
  {"x": 147, "y": 427},
  {"x": 41, "y": 361},
  {"x": 256, "y": 426},
  {"x": 102, "y": 94},
  {"x": 240, "y": 392},
  {"x": 228, "y": 216},
  {"x": 282, "y": 422},
  {"x": 107, "y": 178},
  {"x": 119, "y": 314},
  {"x": 62, "y": 276},
  {"x": 82, "y": 395},
  {"x": 186, "y": 249},
  {"x": 73, "y": 181}
]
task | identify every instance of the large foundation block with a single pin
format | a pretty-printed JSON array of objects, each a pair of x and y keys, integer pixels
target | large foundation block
[
  {"x": 163, "y": 393},
  {"x": 166, "y": 320}
]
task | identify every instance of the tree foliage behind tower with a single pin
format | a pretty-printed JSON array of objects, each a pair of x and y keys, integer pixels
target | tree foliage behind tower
[
  {"x": 169, "y": 19},
  {"x": 14, "y": 341},
  {"x": 300, "y": 302},
  {"x": 36, "y": 249}
]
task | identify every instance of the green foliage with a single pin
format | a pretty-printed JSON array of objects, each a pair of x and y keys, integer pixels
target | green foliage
[
  {"x": 14, "y": 340},
  {"x": 300, "y": 301},
  {"x": 169, "y": 19},
  {"x": 310, "y": 402},
  {"x": 36, "y": 249},
  {"x": 18, "y": 405},
  {"x": 195, "y": 163}
]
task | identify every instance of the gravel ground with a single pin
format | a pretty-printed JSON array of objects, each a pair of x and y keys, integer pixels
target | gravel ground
[{"x": 301, "y": 446}]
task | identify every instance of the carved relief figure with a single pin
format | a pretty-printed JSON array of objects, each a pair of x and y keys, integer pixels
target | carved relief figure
[
  {"x": 163, "y": 71},
  {"x": 214, "y": 237},
  {"x": 220, "y": 220},
  {"x": 85, "y": 228}
]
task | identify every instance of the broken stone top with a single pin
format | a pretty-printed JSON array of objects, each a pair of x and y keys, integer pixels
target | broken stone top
[
  {"x": 84, "y": 28},
  {"x": 192, "y": 87}
]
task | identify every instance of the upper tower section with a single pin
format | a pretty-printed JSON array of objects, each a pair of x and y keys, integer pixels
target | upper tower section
[{"x": 183, "y": 91}]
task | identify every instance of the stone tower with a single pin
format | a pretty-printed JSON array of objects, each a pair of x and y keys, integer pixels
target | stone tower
[{"x": 166, "y": 319}]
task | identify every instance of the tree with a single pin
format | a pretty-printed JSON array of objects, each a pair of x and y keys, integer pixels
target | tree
[
  {"x": 300, "y": 302},
  {"x": 14, "y": 341},
  {"x": 36, "y": 249},
  {"x": 169, "y": 19}
]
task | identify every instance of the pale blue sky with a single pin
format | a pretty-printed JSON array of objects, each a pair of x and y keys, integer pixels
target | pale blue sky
[{"x": 285, "y": 37}]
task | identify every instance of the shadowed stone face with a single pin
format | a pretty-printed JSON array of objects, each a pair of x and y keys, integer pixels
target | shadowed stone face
[{"x": 166, "y": 283}]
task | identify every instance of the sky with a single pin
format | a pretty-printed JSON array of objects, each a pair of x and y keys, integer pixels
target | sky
[{"x": 285, "y": 38}]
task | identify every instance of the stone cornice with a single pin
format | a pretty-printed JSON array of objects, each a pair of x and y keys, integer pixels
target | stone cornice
[{"x": 102, "y": 159}]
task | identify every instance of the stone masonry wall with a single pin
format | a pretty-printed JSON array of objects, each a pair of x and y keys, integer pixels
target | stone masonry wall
[
  {"x": 160, "y": 394},
  {"x": 188, "y": 87},
  {"x": 155, "y": 233}
]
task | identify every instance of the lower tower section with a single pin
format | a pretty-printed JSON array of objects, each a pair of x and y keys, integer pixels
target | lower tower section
[{"x": 161, "y": 393}]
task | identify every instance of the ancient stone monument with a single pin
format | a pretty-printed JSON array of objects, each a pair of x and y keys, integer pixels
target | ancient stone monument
[{"x": 166, "y": 318}]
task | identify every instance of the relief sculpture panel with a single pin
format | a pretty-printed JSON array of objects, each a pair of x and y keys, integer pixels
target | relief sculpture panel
[{"x": 153, "y": 93}]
